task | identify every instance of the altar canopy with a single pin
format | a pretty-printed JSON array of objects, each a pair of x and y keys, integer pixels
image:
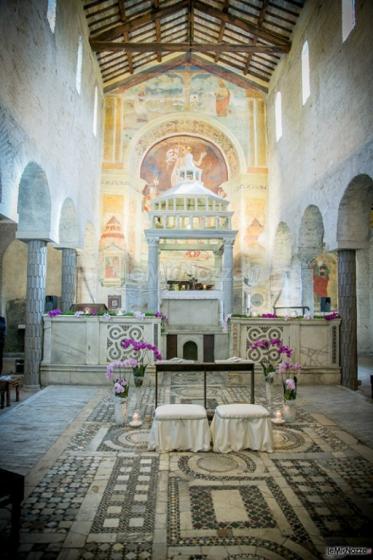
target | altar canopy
[{"x": 190, "y": 217}]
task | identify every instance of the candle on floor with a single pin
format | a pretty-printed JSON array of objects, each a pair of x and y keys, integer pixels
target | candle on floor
[
  {"x": 278, "y": 419},
  {"x": 136, "y": 420}
]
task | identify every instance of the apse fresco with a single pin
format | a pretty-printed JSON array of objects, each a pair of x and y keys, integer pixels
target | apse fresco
[
  {"x": 325, "y": 279},
  {"x": 187, "y": 89},
  {"x": 161, "y": 162},
  {"x": 149, "y": 129}
]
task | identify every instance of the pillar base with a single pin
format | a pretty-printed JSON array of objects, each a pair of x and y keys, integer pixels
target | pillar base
[{"x": 31, "y": 388}]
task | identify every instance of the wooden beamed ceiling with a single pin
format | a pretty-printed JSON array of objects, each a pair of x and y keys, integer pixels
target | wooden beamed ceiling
[{"x": 240, "y": 41}]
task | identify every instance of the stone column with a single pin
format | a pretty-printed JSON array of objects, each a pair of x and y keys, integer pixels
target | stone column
[
  {"x": 35, "y": 302},
  {"x": 153, "y": 274},
  {"x": 307, "y": 285},
  {"x": 228, "y": 276},
  {"x": 348, "y": 312},
  {"x": 68, "y": 281}
]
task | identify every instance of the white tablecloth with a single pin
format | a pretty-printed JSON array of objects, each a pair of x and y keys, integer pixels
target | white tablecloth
[
  {"x": 180, "y": 427},
  {"x": 241, "y": 432}
]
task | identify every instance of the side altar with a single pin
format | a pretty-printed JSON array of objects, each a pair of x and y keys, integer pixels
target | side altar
[
  {"x": 315, "y": 343},
  {"x": 78, "y": 349}
]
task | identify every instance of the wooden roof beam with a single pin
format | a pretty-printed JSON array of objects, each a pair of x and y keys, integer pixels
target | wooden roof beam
[
  {"x": 123, "y": 16},
  {"x": 222, "y": 27},
  {"x": 251, "y": 28},
  {"x": 131, "y": 47},
  {"x": 227, "y": 74},
  {"x": 138, "y": 21}
]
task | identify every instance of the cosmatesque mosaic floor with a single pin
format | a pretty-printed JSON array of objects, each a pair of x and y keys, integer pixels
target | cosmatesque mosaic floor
[{"x": 103, "y": 495}]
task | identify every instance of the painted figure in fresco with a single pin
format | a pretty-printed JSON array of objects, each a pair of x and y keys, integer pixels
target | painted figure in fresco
[
  {"x": 222, "y": 96},
  {"x": 184, "y": 155},
  {"x": 320, "y": 281},
  {"x": 149, "y": 192},
  {"x": 112, "y": 267}
]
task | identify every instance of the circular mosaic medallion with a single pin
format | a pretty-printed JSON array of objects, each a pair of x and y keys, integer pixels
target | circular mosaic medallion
[
  {"x": 134, "y": 438},
  {"x": 213, "y": 466},
  {"x": 284, "y": 439}
]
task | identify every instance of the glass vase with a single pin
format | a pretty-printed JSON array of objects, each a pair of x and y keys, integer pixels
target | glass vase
[
  {"x": 120, "y": 410},
  {"x": 290, "y": 410},
  {"x": 269, "y": 394},
  {"x": 138, "y": 375}
]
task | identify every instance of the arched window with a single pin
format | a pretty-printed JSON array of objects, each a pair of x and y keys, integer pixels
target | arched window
[
  {"x": 95, "y": 110},
  {"x": 79, "y": 65},
  {"x": 51, "y": 14},
  {"x": 278, "y": 115},
  {"x": 305, "y": 73},
  {"x": 348, "y": 18}
]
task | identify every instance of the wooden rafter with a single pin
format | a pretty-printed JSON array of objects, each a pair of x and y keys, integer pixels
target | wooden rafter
[
  {"x": 122, "y": 10},
  {"x": 132, "y": 47},
  {"x": 141, "y": 20},
  {"x": 139, "y": 39},
  {"x": 251, "y": 28},
  {"x": 222, "y": 27},
  {"x": 259, "y": 24}
]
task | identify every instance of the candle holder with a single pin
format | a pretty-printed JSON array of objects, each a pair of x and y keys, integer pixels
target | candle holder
[
  {"x": 136, "y": 421},
  {"x": 278, "y": 418}
]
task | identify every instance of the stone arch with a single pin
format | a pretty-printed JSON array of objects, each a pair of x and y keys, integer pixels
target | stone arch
[
  {"x": 311, "y": 241},
  {"x": 69, "y": 225},
  {"x": 353, "y": 213},
  {"x": 34, "y": 204},
  {"x": 190, "y": 350},
  {"x": 311, "y": 232},
  {"x": 355, "y": 305},
  {"x": 192, "y": 125}
]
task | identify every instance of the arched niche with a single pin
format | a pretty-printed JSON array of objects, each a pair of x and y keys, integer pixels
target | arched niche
[
  {"x": 192, "y": 125},
  {"x": 162, "y": 159},
  {"x": 354, "y": 214},
  {"x": 34, "y": 204},
  {"x": 311, "y": 233},
  {"x": 69, "y": 225},
  {"x": 190, "y": 350}
]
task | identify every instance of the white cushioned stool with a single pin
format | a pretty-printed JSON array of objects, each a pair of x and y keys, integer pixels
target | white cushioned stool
[
  {"x": 180, "y": 427},
  {"x": 241, "y": 426}
]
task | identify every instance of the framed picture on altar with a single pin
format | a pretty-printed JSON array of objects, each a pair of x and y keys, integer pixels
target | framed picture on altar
[{"x": 114, "y": 302}]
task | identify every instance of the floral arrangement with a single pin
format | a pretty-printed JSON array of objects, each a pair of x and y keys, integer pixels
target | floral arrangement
[
  {"x": 120, "y": 386},
  {"x": 269, "y": 316},
  {"x": 54, "y": 313},
  {"x": 289, "y": 373},
  {"x": 144, "y": 354},
  {"x": 272, "y": 350},
  {"x": 332, "y": 316}
]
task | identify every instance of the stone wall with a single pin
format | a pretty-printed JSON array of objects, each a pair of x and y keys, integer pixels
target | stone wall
[
  {"x": 43, "y": 117},
  {"x": 327, "y": 142}
]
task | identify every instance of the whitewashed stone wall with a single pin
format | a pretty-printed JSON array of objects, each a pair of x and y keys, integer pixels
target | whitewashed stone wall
[
  {"x": 329, "y": 140},
  {"x": 43, "y": 118}
]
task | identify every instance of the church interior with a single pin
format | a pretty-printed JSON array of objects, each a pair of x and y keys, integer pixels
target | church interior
[{"x": 186, "y": 279}]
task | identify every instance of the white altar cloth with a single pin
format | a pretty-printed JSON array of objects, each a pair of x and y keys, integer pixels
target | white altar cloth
[
  {"x": 241, "y": 426},
  {"x": 180, "y": 427}
]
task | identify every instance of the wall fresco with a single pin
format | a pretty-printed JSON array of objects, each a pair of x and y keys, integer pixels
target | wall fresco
[{"x": 223, "y": 126}]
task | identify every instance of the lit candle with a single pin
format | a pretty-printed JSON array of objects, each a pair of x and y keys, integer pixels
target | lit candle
[
  {"x": 136, "y": 417},
  {"x": 278, "y": 413}
]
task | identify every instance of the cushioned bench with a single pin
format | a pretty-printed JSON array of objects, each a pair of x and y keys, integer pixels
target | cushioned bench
[
  {"x": 182, "y": 427},
  {"x": 241, "y": 426}
]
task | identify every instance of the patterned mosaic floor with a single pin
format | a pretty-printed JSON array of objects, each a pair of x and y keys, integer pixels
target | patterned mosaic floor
[{"x": 106, "y": 497}]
